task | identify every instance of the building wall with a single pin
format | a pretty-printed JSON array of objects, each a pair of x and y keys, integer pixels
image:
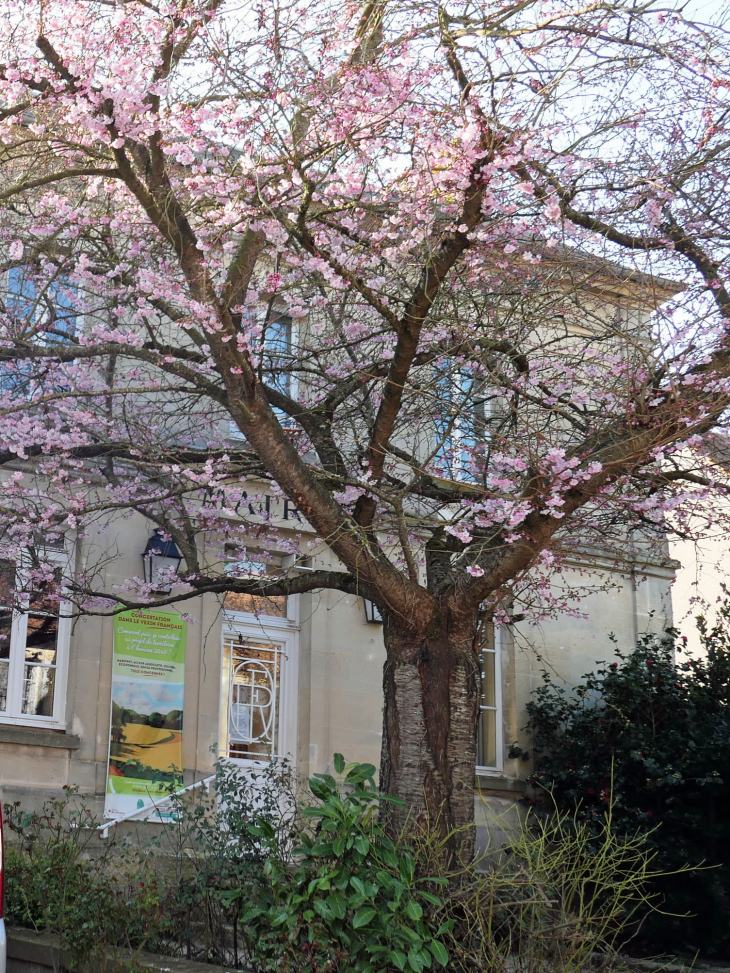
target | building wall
[
  {"x": 702, "y": 576},
  {"x": 339, "y": 692}
]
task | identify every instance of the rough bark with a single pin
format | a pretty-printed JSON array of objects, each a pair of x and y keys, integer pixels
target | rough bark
[{"x": 431, "y": 705}]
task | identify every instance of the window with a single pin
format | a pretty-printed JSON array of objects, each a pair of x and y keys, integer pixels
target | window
[
  {"x": 252, "y": 689},
  {"x": 277, "y": 354},
  {"x": 489, "y": 730},
  {"x": 246, "y": 567},
  {"x": 34, "y": 638},
  {"x": 461, "y": 423},
  {"x": 49, "y": 310},
  {"x": 258, "y": 717}
]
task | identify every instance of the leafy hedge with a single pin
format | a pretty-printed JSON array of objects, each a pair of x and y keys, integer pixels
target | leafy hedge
[
  {"x": 648, "y": 739},
  {"x": 348, "y": 897},
  {"x": 249, "y": 877}
]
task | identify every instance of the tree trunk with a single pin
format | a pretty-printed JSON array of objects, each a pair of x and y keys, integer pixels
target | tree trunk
[{"x": 431, "y": 689}]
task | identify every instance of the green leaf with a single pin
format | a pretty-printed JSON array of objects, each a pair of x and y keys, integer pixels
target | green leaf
[
  {"x": 414, "y": 960},
  {"x": 321, "y": 849},
  {"x": 361, "y": 772},
  {"x": 323, "y": 909},
  {"x": 398, "y": 959},
  {"x": 338, "y": 846},
  {"x": 362, "y": 844},
  {"x": 414, "y": 910},
  {"x": 338, "y": 904},
  {"x": 407, "y": 868},
  {"x": 440, "y": 952},
  {"x": 339, "y": 762},
  {"x": 320, "y": 789},
  {"x": 363, "y": 917},
  {"x": 357, "y": 883}
]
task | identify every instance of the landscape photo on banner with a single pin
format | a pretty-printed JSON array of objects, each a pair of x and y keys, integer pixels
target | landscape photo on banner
[{"x": 148, "y": 687}]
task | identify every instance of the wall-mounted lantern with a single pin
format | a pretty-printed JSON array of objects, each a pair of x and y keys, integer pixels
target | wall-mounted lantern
[
  {"x": 160, "y": 556},
  {"x": 372, "y": 612}
]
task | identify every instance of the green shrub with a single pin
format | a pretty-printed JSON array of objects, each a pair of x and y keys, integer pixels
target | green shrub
[
  {"x": 61, "y": 878},
  {"x": 646, "y": 739},
  {"x": 560, "y": 895},
  {"x": 347, "y": 898},
  {"x": 247, "y": 877}
]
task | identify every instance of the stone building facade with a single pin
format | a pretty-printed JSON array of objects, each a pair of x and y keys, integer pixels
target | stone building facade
[{"x": 318, "y": 654}]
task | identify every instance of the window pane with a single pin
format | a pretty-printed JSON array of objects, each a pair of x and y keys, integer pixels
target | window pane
[
  {"x": 6, "y": 620},
  {"x": 487, "y": 739},
  {"x": 59, "y": 311},
  {"x": 22, "y": 295},
  {"x": 45, "y": 596},
  {"x": 42, "y": 638},
  {"x": 7, "y": 584},
  {"x": 256, "y": 604},
  {"x": 252, "y": 699},
  {"x": 277, "y": 344},
  {"x": 488, "y": 685},
  {"x": 4, "y": 666},
  {"x": 38, "y": 687}
]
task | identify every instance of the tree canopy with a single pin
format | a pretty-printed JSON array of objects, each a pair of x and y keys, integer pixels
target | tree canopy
[{"x": 455, "y": 273}]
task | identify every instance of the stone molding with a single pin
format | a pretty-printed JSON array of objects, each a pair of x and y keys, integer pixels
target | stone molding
[{"x": 32, "y": 736}]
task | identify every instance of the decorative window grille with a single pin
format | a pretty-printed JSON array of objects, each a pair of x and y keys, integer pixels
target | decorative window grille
[
  {"x": 489, "y": 730},
  {"x": 251, "y": 694},
  {"x": 34, "y": 641}
]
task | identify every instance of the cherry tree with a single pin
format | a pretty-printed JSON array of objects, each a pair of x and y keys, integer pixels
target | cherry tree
[{"x": 453, "y": 273}]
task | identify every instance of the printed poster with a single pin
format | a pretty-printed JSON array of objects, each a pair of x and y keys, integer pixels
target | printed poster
[{"x": 148, "y": 684}]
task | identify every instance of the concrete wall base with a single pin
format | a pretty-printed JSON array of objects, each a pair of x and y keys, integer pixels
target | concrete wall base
[{"x": 39, "y": 952}]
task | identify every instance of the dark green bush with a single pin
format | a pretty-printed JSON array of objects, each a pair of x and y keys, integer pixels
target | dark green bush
[
  {"x": 347, "y": 898},
  {"x": 61, "y": 878},
  {"x": 649, "y": 737}
]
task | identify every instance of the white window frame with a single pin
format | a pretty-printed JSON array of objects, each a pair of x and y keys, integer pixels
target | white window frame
[
  {"x": 498, "y": 709},
  {"x": 283, "y": 633},
  {"x": 19, "y": 627}
]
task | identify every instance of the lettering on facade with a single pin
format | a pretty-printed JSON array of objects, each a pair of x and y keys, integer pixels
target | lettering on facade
[{"x": 266, "y": 506}]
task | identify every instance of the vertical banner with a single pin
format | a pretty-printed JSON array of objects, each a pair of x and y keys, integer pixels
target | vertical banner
[{"x": 148, "y": 684}]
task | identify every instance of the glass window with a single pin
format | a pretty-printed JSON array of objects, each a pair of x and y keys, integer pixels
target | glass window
[
  {"x": 47, "y": 313},
  {"x": 461, "y": 423},
  {"x": 49, "y": 307},
  {"x": 245, "y": 567},
  {"x": 277, "y": 353},
  {"x": 276, "y": 362},
  {"x": 488, "y": 730},
  {"x": 251, "y": 697},
  {"x": 256, "y": 604},
  {"x": 33, "y": 635},
  {"x": 7, "y": 598}
]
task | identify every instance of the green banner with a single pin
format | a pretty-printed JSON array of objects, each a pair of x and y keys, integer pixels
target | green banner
[{"x": 148, "y": 684}]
